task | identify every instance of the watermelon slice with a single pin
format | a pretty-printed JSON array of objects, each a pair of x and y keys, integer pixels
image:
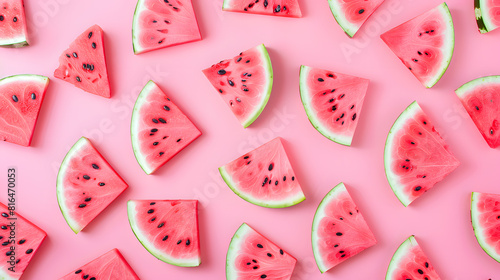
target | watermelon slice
[
  {"x": 416, "y": 157},
  {"x": 244, "y": 82},
  {"x": 159, "y": 129},
  {"x": 424, "y": 44},
  {"x": 339, "y": 231},
  {"x": 83, "y": 64},
  {"x": 22, "y": 97},
  {"x": 110, "y": 266},
  {"x": 481, "y": 99},
  {"x": 264, "y": 177},
  {"x": 252, "y": 256},
  {"x": 168, "y": 229},
  {"x": 487, "y": 15},
  {"x": 13, "y": 31},
  {"x": 27, "y": 240},
  {"x": 352, "y": 14},
  {"x": 410, "y": 262},
  {"x": 86, "y": 185},
  {"x": 285, "y": 8},
  {"x": 485, "y": 214},
  {"x": 163, "y": 23},
  {"x": 333, "y": 102}
]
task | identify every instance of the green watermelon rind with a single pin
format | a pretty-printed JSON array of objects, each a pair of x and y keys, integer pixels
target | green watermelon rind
[
  {"x": 14, "y": 43},
  {"x": 232, "y": 251},
  {"x": 135, "y": 27},
  {"x": 478, "y": 230},
  {"x": 466, "y": 88},
  {"x": 348, "y": 28},
  {"x": 400, "y": 253},
  {"x": 150, "y": 247},
  {"x": 483, "y": 19}
]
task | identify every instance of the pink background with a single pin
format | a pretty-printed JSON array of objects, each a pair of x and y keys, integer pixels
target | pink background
[{"x": 440, "y": 219}]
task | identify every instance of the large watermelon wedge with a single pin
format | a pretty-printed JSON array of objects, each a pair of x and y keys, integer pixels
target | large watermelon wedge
[
  {"x": 163, "y": 23},
  {"x": 424, "y": 44},
  {"x": 485, "y": 217},
  {"x": 244, "y": 82},
  {"x": 487, "y": 14},
  {"x": 22, "y": 97},
  {"x": 352, "y": 14},
  {"x": 416, "y": 157},
  {"x": 86, "y": 185},
  {"x": 264, "y": 177},
  {"x": 339, "y": 230},
  {"x": 481, "y": 99},
  {"x": 168, "y": 229},
  {"x": 410, "y": 262},
  {"x": 252, "y": 256},
  {"x": 159, "y": 129},
  {"x": 13, "y": 31},
  {"x": 333, "y": 102},
  {"x": 110, "y": 266},
  {"x": 285, "y": 8}
]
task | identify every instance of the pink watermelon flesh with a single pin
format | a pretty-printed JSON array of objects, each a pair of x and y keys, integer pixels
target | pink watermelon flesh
[
  {"x": 27, "y": 240},
  {"x": 485, "y": 213},
  {"x": 22, "y": 98},
  {"x": 285, "y": 8},
  {"x": 160, "y": 24},
  {"x": 13, "y": 31},
  {"x": 83, "y": 64},
  {"x": 110, "y": 266},
  {"x": 352, "y": 14},
  {"x": 86, "y": 185}
]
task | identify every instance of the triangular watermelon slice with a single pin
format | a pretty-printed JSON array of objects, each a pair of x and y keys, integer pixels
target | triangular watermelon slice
[
  {"x": 83, "y": 64},
  {"x": 13, "y": 31},
  {"x": 86, "y": 185},
  {"x": 416, "y": 156},
  {"x": 264, "y": 177},
  {"x": 253, "y": 256},
  {"x": 485, "y": 217},
  {"x": 22, "y": 97},
  {"x": 160, "y": 24},
  {"x": 244, "y": 82},
  {"x": 159, "y": 129},
  {"x": 487, "y": 15},
  {"x": 424, "y": 44},
  {"x": 284, "y": 8},
  {"x": 333, "y": 102},
  {"x": 168, "y": 229},
  {"x": 351, "y": 15}
]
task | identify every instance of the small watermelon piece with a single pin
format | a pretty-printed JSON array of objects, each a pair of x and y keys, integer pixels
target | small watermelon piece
[
  {"x": 487, "y": 15},
  {"x": 253, "y": 256},
  {"x": 159, "y": 24},
  {"x": 168, "y": 229},
  {"x": 352, "y": 14},
  {"x": 284, "y": 8},
  {"x": 424, "y": 44},
  {"x": 110, "y": 266},
  {"x": 244, "y": 82},
  {"x": 481, "y": 99},
  {"x": 416, "y": 157},
  {"x": 333, "y": 102},
  {"x": 86, "y": 185},
  {"x": 13, "y": 31},
  {"x": 485, "y": 214},
  {"x": 19, "y": 108},
  {"x": 83, "y": 64},
  {"x": 339, "y": 231},
  {"x": 159, "y": 129},
  {"x": 410, "y": 262},
  {"x": 28, "y": 239},
  {"x": 264, "y": 177}
]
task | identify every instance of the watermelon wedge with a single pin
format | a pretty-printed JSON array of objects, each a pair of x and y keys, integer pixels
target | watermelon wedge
[
  {"x": 252, "y": 256},
  {"x": 27, "y": 240},
  {"x": 159, "y": 129},
  {"x": 410, "y": 262},
  {"x": 485, "y": 216},
  {"x": 244, "y": 82},
  {"x": 264, "y": 177},
  {"x": 481, "y": 99},
  {"x": 83, "y": 64},
  {"x": 339, "y": 231},
  {"x": 159, "y": 24},
  {"x": 13, "y": 31},
  {"x": 487, "y": 15},
  {"x": 110, "y": 266},
  {"x": 284, "y": 8},
  {"x": 416, "y": 157},
  {"x": 424, "y": 44},
  {"x": 86, "y": 185},
  {"x": 333, "y": 102},
  {"x": 352, "y": 14},
  {"x": 168, "y": 229},
  {"x": 22, "y": 97}
]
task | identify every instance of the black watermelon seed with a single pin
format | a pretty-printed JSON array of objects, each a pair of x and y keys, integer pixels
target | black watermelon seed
[
  {"x": 339, "y": 234},
  {"x": 162, "y": 120},
  {"x": 86, "y": 177},
  {"x": 293, "y": 178},
  {"x": 341, "y": 252},
  {"x": 161, "y": 225},
  {"x": 245, "y": 89},
  {"x": 281, "y": 251},
  {"x": 248, "y": 61},
  {"x": 354, "y": 116},
  {"x": 5, "y": 215},
  {"x": 341, "y": 116},
  {"x": 361, "y": 11},
  {"x": 166, "y": 108},
  {"x": 179, "y": 242},
  {"x": 78, "y": 79},
  {"x": 88, "y": 199},
  {"x": 94, "y": 45},
  {"x": 263, "y": 275},
  {"x": 342, "y": 256},
  {"x": 67, "y": 55},
  {"x": 265, "y": 3},
  {"x": 92, "y": 278},
  {"x": 33, "y": 96},
  {"x": 413, "y": 143},
  {"x": 154, "y": 130},
  {"x": 260, "y": 246},
  {"x": 90, "y": 34},
  {"x": 152, "y": 203},
  {"x": 336, "y": 245},
  {"x": 284, "y": 178},
  {"x": 179, "y": 140},
  {"x": 82, "y": 205},
  {"x": 271, "y": 167},
  {"x": 321, "y": 80},
  {"x": 14, "y": 97},
  {"x": 239, "y": 59},
  {"x": 491, "y": 131},
  {"x": 352, "y": 107},
  {"x": 153, "y": 219},
  {"x": 15, "y": 19},
  {"x": 426, "y": 264},
  {"x": 278, "y": 9},
  {"x": 3, "y": 227},
  {"x": 269, "y": 255},
  {"x": 334, "y": 108},
  {"x": 231, "y": 83},
  {"x": 22, "y": 241},
  {"x": 9, "y": 253},
  {"x": 5, "y": 243},
  {"x": 2, "y": 18},
  {"x": 155, "y": 143},
  {"x": 188, "y": 242},
  {"x": 151, "y": 211},
  {"x": 85, "y": 276},
  {"x": 95, "y": 166},
  {"x": 155, "y": 120},
  {"x": 418, "y": 188},
  {"x": 101, "y": 184},
  {"x": 78, "y": 271},
  {"x": 420, "y": 271},
  {"x": 221, "y": 72},
  {"x": 165, "y": 238},
  {"x": 75, "y": 55},
  {"x": 161, "y": 153},
  {"x": 29, "y": 251},
  {"x": 18, "y": 260},
  {"x": 220, "y": 90},
  {"x": 255, "y": 267}
]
